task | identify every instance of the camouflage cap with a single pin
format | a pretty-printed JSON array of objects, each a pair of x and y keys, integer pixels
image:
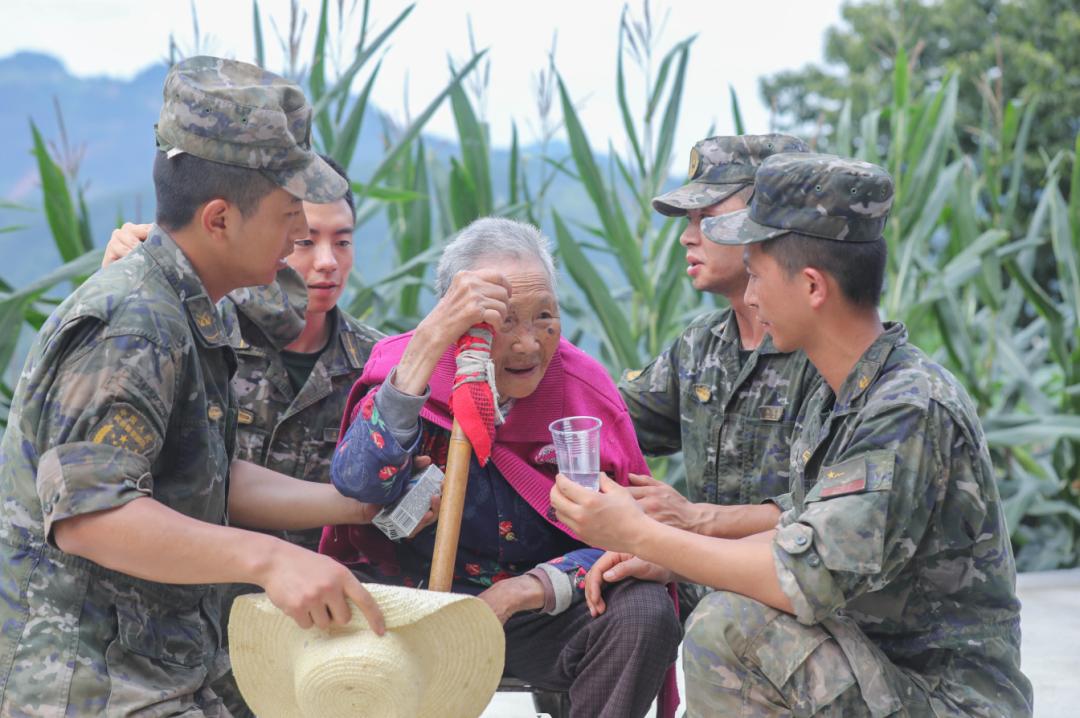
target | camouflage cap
[
  {"x": 817, "y": 195},
  {"x": 239, "y": 114},
  {"x": 720, "y": 167}
]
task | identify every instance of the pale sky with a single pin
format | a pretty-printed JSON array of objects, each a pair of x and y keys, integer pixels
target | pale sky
[{"x": 737, "y": 43}]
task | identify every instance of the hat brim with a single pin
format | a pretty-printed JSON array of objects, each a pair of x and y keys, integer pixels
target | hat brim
[
  {"x": 442, "y": 655},
  {"x": 694, "y": 195},
  {"x": 316, "y": 181},
  {"x": 737, "y": 228}
]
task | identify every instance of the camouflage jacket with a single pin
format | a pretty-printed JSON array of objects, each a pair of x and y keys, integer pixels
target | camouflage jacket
[
  {"x": 293, "y": 433},
  {"x": 897, "y": 531},
  {"x": 125, "y": 394},
  {"x": 732, "y": 420}
]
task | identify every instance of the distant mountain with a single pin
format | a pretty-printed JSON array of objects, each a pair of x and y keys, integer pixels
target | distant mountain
[{"x": 110, "y": 121}]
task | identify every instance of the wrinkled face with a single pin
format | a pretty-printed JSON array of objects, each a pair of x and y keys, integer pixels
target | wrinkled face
[
  {"x": 779, "y": 300},
  {"x": 715, "y": 268},
  {"x": 265, "y": 238},
  {"x": 524, "y": 344},
  {"x": 324, "y": 257}
]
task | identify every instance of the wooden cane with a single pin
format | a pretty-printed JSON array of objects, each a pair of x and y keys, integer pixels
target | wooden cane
[{"x": 452, "y": 505}]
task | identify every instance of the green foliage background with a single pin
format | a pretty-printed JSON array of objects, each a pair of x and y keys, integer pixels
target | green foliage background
[{"x": 984, "y": 237}]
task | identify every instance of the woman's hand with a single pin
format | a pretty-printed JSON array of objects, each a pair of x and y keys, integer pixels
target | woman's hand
[
  {"x": 472, "y": 298},
  {"x": 613, "y": 567},
  {"x": 511, "y": 595}
]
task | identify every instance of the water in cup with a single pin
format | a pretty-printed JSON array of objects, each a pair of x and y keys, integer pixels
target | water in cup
[
  {"x": 583, "y": 471},
  {"x": 577, "y": 449}
]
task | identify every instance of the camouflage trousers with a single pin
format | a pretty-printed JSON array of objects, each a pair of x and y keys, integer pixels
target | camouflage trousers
[{"x": 742, "y": 658}]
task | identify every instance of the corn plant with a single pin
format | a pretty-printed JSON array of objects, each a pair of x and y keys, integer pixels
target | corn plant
[
  {"x": 962, "y": 276},
  {"x": 27, "y": 307},
  {"x": 638, "y": 295}
]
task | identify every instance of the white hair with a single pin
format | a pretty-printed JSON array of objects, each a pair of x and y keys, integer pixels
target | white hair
[{"x": 493, "y": 238}]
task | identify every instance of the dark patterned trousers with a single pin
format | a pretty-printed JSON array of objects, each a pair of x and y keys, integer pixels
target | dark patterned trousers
[{"x": 613, "y": 665}]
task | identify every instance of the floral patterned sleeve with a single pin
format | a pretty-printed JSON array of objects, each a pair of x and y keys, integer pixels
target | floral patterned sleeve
[
  {"x": 563, "y": 578},
  {"x": 369, "y": 464}
]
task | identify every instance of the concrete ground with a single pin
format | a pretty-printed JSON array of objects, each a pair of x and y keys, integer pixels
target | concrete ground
[{"x": 1050, "y": 620}]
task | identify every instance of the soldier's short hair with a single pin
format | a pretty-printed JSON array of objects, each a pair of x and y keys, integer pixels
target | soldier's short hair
[
  {"x": 349, "y": 198},
  {"x": 492, "y": 238},
  {"x": 186, "y": 182},
  {"x": 859, "y": 269}
]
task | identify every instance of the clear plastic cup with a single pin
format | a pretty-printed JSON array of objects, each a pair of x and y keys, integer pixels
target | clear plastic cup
[{"x": 577, "y": 449}]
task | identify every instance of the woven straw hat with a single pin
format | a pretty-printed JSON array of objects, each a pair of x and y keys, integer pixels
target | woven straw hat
[{"x": 442, "y": 655}]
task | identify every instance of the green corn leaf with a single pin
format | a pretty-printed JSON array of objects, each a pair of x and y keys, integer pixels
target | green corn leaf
[
  {"x": 515, "y": 165},
  {"x": 387, "y": 194},
  {"x": 1019, "y": 151},
  {"x": 736, "y": 113},
  {"x": 1005, "y": 430},
  {"x": 666, "y": 136},
  {"x": 611, "y": 217},
  {"x": 345, "y": 142},
  {"x": 260, "y": 55},
  {"x": 463, "y": 195},
  {"x": 624, "y": 105},
  {"x": 413, "y": 130},
  {"x": 928, "y": 149},
  {"x": 59, "y": 208},
  {"x": 617, "y": 335},
  {"x": 472, "y": 141},
  {"x": 842, "y": 138},
  {"x": 1068, "y": 273},
  {"x": 868, "y": 132},
  {"x": 340, "y": 91},
  {"x": 317, "y": 78},
  {"x": 1074, "y": 196}
]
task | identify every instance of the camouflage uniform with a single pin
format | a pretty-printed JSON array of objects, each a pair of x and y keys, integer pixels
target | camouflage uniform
[
  {"x": 126, "y": 395},
  {"x": 291, "y": 432},
  {"x": 294, "y": 433},
  {"x": 732, "y": 418},
  {"x": 895, "y": 555}
]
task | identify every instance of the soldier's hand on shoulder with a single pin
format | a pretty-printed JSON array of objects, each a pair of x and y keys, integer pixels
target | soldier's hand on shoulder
[{"x": 123, "y": 240}]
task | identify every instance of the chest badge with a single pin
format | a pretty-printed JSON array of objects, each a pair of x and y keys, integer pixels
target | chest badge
[
  {"x": 771, "y": 413},
  {"x": 703, "y": 393},
  {"x": 214, "y": 413}
]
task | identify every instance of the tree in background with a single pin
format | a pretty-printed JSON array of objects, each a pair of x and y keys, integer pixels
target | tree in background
[{"x": 1000, "y": 49}]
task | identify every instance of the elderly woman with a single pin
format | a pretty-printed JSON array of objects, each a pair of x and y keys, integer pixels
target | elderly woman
[{"x": 512, "y": 551}]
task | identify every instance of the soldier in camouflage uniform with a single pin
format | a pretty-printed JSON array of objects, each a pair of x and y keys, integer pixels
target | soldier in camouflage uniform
[
  {"x": 889, "y": 586},
  {"x": 116, "y": 467},
  {"x": 295, "y": 367},
  {"x": 722, "y": 393}
]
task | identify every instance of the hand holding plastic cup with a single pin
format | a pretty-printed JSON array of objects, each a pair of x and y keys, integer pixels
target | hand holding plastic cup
[{"x": 577, "y": 449}]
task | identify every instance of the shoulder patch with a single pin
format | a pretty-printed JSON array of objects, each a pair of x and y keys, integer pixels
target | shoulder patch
[
  {"x": 126, "y": 428},
  {"x": 632, "y": 374}
]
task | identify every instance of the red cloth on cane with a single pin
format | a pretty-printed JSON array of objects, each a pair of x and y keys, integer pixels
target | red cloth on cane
[{"x": 472, "y": 402}]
